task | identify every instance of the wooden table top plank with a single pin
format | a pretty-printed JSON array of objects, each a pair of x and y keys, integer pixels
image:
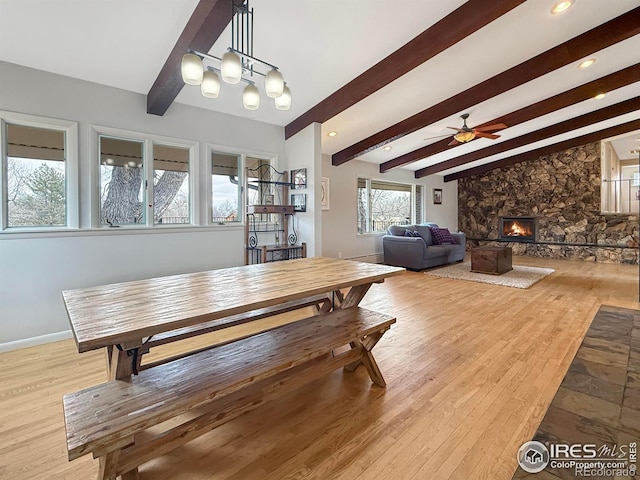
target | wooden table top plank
[{"x": 127, "y": 312}]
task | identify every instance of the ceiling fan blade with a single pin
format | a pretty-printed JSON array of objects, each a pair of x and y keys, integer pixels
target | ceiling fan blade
[
  {"x": 437, "y": 136},
  {"x": 487, "y": 135},
  {"x": 453, "y": 143},
  {"x": 497, "y": 126},
  {"x": 456, "y": 129}
]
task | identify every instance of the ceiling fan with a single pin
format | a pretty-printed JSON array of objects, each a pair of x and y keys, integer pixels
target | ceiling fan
[{"x": 466, "y": 134}]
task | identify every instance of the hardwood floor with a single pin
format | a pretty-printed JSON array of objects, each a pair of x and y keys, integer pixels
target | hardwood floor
[{"x": 470, "y": 368}]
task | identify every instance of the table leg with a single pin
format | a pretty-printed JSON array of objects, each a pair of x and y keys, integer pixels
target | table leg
[
  {"x": 124, "y": 360},
  {"x": 355, "y": 295},
  {"x": 107, "y": 465}
]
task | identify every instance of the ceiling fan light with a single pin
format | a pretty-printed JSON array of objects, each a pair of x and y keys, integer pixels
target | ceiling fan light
[
  {"x": 191, "y": 69},
  {"x": 274, "y": 83},
  {"x": 210, "y": 86},
  {"x": 231, "y": 68},
  {"x": 283, "y": 102},
  {"x": 251, "y": 97},
  {"x": 464, "y": 137}
]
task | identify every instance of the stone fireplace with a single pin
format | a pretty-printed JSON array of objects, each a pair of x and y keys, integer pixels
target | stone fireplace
[
  {"x": 521, "y": 229},
  {"x": 561, "y": 192}
]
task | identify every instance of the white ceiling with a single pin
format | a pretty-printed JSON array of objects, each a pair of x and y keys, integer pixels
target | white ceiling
[{"x": 321, "y": 45}]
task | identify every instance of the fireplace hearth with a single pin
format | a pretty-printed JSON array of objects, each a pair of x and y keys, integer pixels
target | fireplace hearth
[{"x": 518, "y": 229}]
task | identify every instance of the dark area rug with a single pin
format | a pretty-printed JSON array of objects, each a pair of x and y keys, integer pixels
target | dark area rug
[{"x": 598, "y": 401}]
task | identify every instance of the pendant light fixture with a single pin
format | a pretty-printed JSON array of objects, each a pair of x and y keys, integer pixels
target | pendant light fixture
[
  {"x": 283, "y": 102},
  {"x": 237, "y": 64},
  {"x": 231, "y": 68},
  {"x": 251, "y": 97},
  {"x": 210, "y": 86},
  {"x": 191, "y": 68},
  {"x": 274, "y": 83}
]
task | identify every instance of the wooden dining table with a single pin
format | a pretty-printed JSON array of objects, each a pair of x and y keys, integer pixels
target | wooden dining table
[{"x": 122, "y": 317}]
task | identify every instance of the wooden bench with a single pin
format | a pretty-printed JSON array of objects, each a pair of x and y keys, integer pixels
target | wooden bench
[
  {"x": 322, "y": 303},
  {"x": 211, "y": 387}
]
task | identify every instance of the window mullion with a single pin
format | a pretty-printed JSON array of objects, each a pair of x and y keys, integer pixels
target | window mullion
[
  {"x": 3, "y": 176},
  {"x": 148, "y": 165}
]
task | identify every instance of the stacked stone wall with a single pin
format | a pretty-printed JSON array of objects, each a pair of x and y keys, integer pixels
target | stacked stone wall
[{"x": 562, "y": 191}]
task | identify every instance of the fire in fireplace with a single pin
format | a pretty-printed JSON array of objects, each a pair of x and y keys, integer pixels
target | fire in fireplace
[{"x": 521, "y": 229}]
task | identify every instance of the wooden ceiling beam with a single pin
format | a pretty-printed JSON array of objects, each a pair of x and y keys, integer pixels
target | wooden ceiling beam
[
  {"x": 579, "y": 94},
  {"x": 598, "y": 38},
  {"x": 587, "y": 119},
  {"x": 207, "y": 22},
  {"x": 470, "y": 17},
  {"x": 548, "y": 149}
]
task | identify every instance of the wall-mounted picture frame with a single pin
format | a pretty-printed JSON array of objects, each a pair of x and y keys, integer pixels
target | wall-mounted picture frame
[
  {"x": 324, "y": 193},
  {"x": 299, "y": 178},
  {"x": 437, "y": 196},
  {"x": 268, "y": 199},
  {"x": 299, "y": 202}
]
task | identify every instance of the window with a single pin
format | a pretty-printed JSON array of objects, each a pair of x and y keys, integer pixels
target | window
[
  {"x": 620, "y": 192},
  {"x": 39, "y": 173},
  {"x": 170, "y": 185},
  {"x": 381, "y": 204},
  {"x": 225, "y": 188},
  {"x": 121, "y": 181},
  {"x": 144, "y": 180}
]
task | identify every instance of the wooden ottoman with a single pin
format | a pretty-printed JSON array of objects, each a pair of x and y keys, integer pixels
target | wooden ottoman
[{"x": 491, "y": 260}]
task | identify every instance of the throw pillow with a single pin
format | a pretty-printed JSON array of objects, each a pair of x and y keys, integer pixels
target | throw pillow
[
  {"x": 442, "y": 236},
  {"x": 410, "y": 233}
]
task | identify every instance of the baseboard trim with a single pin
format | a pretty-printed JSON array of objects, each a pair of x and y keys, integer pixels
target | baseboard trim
[
  {"x": 370, "y": 258},
  {"x": 34, "y": 341}
]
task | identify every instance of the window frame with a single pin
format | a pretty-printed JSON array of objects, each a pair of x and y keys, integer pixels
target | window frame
[
  {"x": 412, "y": 202},
  {"x": 70, "y": 129},
  {"x": 242, "y": 153},
  {"x": 147, "y": 140}
]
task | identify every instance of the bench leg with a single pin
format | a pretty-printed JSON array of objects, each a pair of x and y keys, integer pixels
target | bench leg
[
  {"x": 131, "y": 475},
  {"x": 366, "y": 344},
  {"x": 352, "y": 366},
  {"x": 372, "y": 368}
]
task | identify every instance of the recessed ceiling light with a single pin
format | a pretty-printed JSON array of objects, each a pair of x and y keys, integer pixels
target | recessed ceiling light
[
  {"x": 561, "y": 7},
  {"x": 387, "y": 148},
  {"x": 332, "y": 133},
  {"x": 587, "y": 63},
  {"x": 599, "y": 96}
]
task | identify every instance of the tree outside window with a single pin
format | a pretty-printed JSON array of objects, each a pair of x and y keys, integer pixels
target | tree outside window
[{"x": 36, "y": 177}]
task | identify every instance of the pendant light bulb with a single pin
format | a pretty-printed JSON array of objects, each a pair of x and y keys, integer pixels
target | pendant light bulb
[
  {"x": 191, "y": 68},
  {"x": 210, "y": 86},
  {"x": 283, "y": 102},
  {"x": 231, "y": 68},
  {"x": 274, "y": 83},
  {"x": 251, "y": 97}
]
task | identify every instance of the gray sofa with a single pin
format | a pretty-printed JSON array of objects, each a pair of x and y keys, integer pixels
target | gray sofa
[{"x": 416, "y": 253}]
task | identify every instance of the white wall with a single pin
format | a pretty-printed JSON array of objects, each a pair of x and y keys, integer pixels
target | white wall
[
  {"x": 303, "y": 150},
  {"x": 339, "y": 231},
  {"x": 35, "y": 269}
]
